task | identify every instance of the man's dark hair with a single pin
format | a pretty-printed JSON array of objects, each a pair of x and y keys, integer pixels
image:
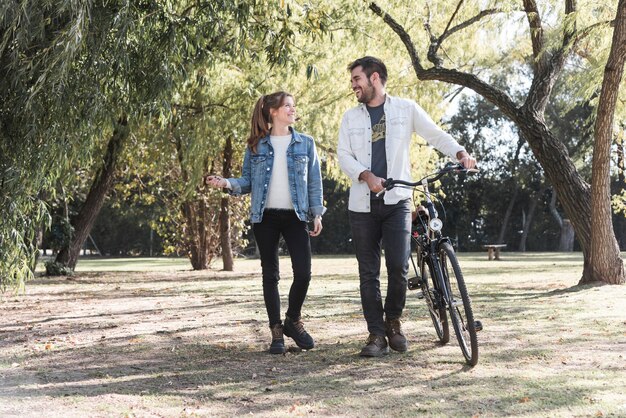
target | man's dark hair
[{"x": 370, "y": 65}]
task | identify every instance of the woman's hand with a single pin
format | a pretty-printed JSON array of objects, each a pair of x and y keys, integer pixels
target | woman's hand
[
  {"x": 317, "y": 226},
  {"x": 216, "y": 181}
]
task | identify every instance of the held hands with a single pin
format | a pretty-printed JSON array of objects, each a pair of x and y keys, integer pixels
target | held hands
[
  {"x": 317, "y": 227},
  {"x": 216, "y": 181}
]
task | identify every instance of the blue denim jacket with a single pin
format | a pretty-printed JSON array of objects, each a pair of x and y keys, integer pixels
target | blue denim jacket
[{"x": 305, "y": 177}]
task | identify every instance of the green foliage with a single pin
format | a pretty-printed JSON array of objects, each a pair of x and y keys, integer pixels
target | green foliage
[
  {"x": 71, "y": 68},
  {"x": 192, "y": 70},
  {"x": 57, "y": 269},
  {"x": 60, "y": 234}
]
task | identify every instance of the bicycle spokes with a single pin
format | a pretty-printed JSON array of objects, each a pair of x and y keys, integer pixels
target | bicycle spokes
[{"x": 459, "y": 304}]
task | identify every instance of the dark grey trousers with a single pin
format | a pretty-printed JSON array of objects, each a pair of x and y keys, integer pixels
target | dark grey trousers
[{"x": 388, "y": 227}]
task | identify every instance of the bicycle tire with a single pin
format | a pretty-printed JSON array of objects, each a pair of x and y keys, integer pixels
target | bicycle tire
[
  {"x": 462, "y": 320},
  {"x": 436, "y": 307}
]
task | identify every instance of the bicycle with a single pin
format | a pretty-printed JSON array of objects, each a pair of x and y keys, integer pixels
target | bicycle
[{"x": 434, "y": 257}]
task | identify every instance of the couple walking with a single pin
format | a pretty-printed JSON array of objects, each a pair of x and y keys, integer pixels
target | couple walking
[{"x": 281, "y": 170}]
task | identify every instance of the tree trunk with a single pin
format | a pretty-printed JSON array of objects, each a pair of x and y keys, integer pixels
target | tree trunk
[
  {"x": 82, "y": 224},
  {"x": 605, "y": 262},
  {"x": 198, "y": 235},
  {"x": 528, "y": 221},
  {"x": 509, "y": 209},
  {"x": 566, "y": 239},
  {"x": 507, "y": 215},
  {"x": 227, "y": 249},
  {"x": 567, "y": 235}
]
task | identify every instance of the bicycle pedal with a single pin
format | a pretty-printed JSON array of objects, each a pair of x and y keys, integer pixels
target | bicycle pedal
[
  {"x": 413, "y": 283},
  {"x": 478, "y": 326},
  {"x": 420, "y": 294}
]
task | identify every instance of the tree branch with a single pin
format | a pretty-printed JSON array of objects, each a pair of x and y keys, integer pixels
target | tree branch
[
  {"x": 399, "y": 30},
  {"x": 435, "y": 43},
  {"x": 536, "y": 33},
  {"x": 458, "y": 6},
  {"x": 494, "y": 95},
  {"x": 583, "y": 33},
  {"x": 547, "y": 66},
  {"x": 467, "y": 23},
  {"x": 197, "y": 110}
]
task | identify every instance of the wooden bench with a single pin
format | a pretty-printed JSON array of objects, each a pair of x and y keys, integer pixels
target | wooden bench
[{"x": 493, "y": 250}]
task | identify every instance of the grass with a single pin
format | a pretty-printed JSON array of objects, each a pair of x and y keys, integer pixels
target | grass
[{"x": 148, "y": 337}]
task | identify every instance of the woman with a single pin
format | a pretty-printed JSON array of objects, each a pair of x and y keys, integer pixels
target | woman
[{"x": 281, "y": 170}]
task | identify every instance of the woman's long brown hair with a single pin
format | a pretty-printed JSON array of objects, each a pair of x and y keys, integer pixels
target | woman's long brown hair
[{"x": 261, "y": 118}]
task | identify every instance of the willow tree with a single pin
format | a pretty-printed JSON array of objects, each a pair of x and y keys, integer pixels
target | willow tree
[
  {"x": 74, "y": 68},
  {"x": 573, "y": 32},
  {"x": 208, "y": 121}
]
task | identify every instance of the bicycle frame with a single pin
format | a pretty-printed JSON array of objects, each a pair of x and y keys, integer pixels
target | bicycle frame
[{"x": 430, "y": 248}]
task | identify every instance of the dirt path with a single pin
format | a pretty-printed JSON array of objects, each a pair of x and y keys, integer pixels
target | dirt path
[{"x": 181, "y": 343}]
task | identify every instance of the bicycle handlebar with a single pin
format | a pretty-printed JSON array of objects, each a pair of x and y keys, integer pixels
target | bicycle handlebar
[{"x": 448, "y": 168}]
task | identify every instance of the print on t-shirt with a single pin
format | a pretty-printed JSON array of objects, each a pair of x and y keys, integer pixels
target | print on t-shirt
[{"x": 378, "y": 130}]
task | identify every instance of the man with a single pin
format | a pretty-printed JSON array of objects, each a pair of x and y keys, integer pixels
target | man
[{"x": 374, "y": 140}]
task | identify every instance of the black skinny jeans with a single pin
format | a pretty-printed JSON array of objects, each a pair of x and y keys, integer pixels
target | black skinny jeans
[
  {"x": 277, "y": 222},
  {"x": 388, "y": 227}
]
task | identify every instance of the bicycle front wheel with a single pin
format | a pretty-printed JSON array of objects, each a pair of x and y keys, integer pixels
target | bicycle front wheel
[
  {"x": 434, "y": 299},
  {"x": 459, "y": 304}
]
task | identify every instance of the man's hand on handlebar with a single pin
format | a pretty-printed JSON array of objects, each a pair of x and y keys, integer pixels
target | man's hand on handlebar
[
  {"x": 466, "y": 160},
  {"x": 376, "y": 184}
]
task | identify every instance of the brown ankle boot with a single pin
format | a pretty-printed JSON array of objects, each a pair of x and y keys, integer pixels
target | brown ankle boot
[
  {"x": 375, "y": 346},
  {"x": 295, "y": 329},
  {"x": 397, "y": 340},
  {"x": 278, "y": 341}
]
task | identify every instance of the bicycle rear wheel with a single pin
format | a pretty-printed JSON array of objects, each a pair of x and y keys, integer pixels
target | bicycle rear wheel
[
  {"x": 434, "y": 300},
  {"x": 459, "y": 304}
]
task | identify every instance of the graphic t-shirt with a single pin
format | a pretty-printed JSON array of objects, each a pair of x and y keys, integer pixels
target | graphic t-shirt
[{"x": 379, "y": 155}]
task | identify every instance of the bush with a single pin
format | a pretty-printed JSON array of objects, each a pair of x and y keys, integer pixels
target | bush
[{"x": 57, "y": 269}]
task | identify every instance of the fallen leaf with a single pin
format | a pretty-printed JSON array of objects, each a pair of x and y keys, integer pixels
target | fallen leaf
[{"x": 524, "y": 399}]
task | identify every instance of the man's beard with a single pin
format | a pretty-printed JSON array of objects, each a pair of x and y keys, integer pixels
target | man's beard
[{"x": 367, "y": 93}]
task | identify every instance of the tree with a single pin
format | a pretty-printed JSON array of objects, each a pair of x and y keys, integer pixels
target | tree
[
  {"x": 83, "y": 222},
  {"x": 607, "y": 265},
  {"x": 601, "y": 255}
]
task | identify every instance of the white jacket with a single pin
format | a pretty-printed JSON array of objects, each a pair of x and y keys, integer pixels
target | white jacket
[{"x": 403, "y": 117}]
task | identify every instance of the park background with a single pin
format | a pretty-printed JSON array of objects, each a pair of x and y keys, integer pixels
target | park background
[{"x": 112, "y": 113}]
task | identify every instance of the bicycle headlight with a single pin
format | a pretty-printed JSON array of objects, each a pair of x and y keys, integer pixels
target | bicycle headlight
[{"x": 435, "y": 224}]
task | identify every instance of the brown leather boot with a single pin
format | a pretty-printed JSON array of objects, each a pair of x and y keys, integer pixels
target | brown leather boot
[
  {"x": 295, "y": 329},
  {"x": 397, "y": 340},
  {"x": 278, "y": 341},
  {"x": 375, "y": 346}
]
